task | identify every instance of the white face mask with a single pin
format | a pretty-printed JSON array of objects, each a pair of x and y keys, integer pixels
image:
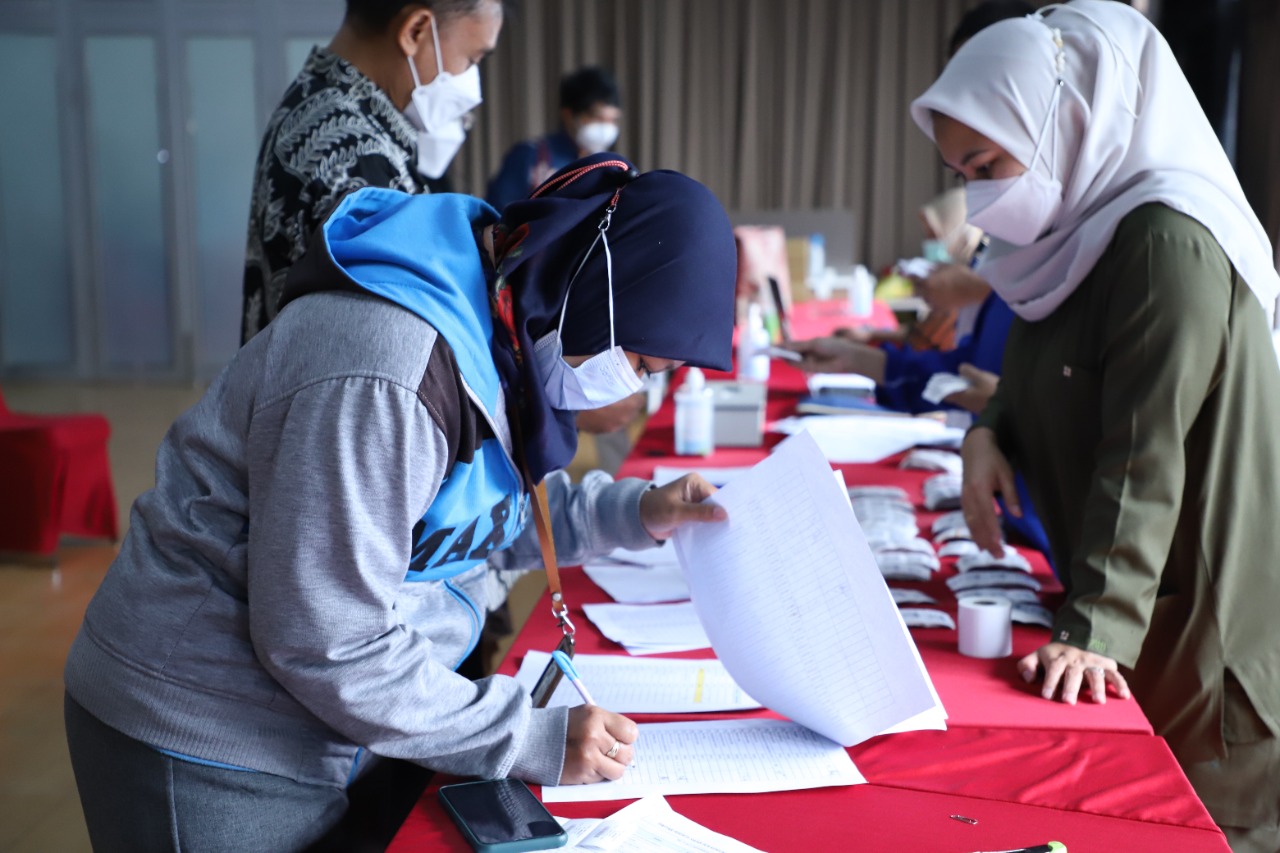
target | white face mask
[
  {"x": 596, "y": 136},
  {"x": 1018, "y": 210},
  {"x": 437, "y": 110},
  {"x": 601, "y": 380}
]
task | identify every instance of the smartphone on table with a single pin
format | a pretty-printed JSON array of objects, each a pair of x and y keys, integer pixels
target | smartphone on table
[{"x": 501, "y": 816}]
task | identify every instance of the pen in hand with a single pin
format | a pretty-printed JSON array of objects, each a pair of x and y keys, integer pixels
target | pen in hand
[{"x": 570, "y": 672}]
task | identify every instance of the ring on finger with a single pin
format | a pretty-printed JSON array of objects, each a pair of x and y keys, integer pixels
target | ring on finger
[
  {"x": 613, "y": 750},
  {"x": 1096, "y": 669}
]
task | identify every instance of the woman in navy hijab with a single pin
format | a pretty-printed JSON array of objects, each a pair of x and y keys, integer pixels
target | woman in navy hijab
[{"x": 276, "y": 641}]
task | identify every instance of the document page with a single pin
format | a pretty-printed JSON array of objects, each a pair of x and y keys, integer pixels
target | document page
[
  {"x": 639, "y": 584},
  {"x": 717, "y": 477},
  {"x": 633, "y": 686},
  {"x": 660, "y": 556},
  {"x": 649, "y": 629},
  {"x": 648, "y": 825},
  {"x": 721, "y": 757},
  {"x": 868, "y": 438},
  {"x": 790, "y": 596}
]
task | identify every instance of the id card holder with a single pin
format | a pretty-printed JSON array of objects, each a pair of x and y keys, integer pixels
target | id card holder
[{"x": 550, "y": 678}]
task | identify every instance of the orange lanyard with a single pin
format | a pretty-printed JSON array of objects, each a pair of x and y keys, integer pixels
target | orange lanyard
[{"x": 542, "y": 521}]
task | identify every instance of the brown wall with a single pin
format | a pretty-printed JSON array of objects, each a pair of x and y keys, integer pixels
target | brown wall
[{"x": 775, "y": 105}]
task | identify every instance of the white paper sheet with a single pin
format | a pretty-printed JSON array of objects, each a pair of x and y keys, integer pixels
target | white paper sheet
[
  {"x": 819, "y": 382},
  {"x": 663, "y": 555},
  {"x": 648, "y": 825},
  {"x": 639, "y": 584},
  {"x": 630, "y": 686},
  {"x": 717, "y": 477},
  {"x": 795, "y": 606},
  {"x": 721, "y": 757},
  {"x": 867, "y": 438},
  {"x": 650, "y": 629}
]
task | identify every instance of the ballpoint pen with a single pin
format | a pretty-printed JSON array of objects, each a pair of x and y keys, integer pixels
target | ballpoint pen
[
  {"x": 1049, "y": 847},
  {"x": 566, "y": 666}
]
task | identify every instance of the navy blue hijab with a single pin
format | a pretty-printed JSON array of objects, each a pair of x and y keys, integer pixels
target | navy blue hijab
[{"x": 674, "y": 273}]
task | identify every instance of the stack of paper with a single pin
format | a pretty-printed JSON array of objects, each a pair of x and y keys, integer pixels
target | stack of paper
[
  {"x": 640, "y": 577},
  {"x": 648, "y": 825},
  {"x": 721, "y": 757},
  {"x": 637, "y": 584},
  {"x": 795, "y": 607},
  {"x": 867, "y": 438},
  {"x": 650, "y": 629},
  {"x": 630, "y": 686}
]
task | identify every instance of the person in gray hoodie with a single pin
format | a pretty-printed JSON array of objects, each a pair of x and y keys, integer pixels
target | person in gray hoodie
[{"x": 287, "y": 609}]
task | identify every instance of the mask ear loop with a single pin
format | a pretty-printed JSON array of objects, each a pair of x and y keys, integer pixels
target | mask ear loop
[
  {"x": 435, "y": 39},
  {"x": 608, "y": 266}
]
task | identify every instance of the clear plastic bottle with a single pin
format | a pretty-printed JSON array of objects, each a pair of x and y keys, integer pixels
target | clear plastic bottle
[
  {"x": 695, "y": 416},
  {"x": 753, "y": 347}
]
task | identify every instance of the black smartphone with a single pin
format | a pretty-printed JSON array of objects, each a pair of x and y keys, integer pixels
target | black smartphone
[{"x": 501, "y": 816}]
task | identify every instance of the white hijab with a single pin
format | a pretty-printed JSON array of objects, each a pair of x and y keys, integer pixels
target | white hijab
[{"x": 1129, "y": 131}]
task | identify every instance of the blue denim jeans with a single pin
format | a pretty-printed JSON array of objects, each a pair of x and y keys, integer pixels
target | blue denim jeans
[{"x": 139, "y": 800}]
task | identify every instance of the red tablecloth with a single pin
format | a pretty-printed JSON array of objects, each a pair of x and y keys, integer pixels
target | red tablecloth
[
  {"x": 870, "y": 818},
  {"x": 1028, "y": 770}
]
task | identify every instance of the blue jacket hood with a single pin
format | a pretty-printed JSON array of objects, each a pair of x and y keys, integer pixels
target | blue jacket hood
[{"x": 422, "y": 252}]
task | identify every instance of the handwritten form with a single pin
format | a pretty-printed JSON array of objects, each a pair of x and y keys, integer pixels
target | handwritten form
[
  {"x": 790, "y": 596},
  {"x": 721, "y": 757},
  {"x": 634, "y": 686}
]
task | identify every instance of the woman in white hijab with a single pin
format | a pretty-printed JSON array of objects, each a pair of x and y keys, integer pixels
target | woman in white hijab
[{"x": 1140, "y": 392}]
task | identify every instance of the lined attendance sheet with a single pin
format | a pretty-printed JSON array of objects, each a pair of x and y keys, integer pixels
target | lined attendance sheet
[
  {"x": 721, "y": 757},
  {"x": 790, "y": 596}
]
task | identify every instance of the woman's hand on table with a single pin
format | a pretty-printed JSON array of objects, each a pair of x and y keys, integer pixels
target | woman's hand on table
[
  {"x": 593, "y": 734},
  {"x": 679, "y": 502},
  {"x": 1071, "y": 669},
  {"x": 840, "y": 355},
  {"x": 987, "y": 473}
]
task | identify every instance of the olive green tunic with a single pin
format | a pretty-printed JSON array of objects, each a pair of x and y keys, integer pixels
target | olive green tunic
[{"x": 1145, "y": 414}]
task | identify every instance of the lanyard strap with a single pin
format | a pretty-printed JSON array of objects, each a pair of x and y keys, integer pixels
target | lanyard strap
[{"x": 542, "y": 521}]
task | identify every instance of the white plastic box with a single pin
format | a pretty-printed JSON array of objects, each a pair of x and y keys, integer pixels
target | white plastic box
[{"x": 739, "y": 418}]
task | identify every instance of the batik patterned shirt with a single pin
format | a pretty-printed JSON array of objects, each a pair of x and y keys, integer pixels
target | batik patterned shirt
[{"x": 335, "y": 131}]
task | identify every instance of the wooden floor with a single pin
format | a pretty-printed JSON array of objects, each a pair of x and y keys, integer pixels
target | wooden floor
[{"x": 42, "y": 605}]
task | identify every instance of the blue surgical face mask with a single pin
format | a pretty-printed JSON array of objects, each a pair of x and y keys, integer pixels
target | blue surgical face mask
[{"x": 601, "y": 380}]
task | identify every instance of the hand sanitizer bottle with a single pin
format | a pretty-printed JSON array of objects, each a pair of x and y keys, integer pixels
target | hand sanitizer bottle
[
  {"x": 753, "y": 347},
  {"x": 695, "y": 416}
]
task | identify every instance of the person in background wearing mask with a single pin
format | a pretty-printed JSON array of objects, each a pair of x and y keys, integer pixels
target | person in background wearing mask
[
  {"x": 590, "y": 109},
  {"x": 285, "y": 615},
  {"x": 386, "y": 104},
  {"x": 1139, "y": 389}
]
